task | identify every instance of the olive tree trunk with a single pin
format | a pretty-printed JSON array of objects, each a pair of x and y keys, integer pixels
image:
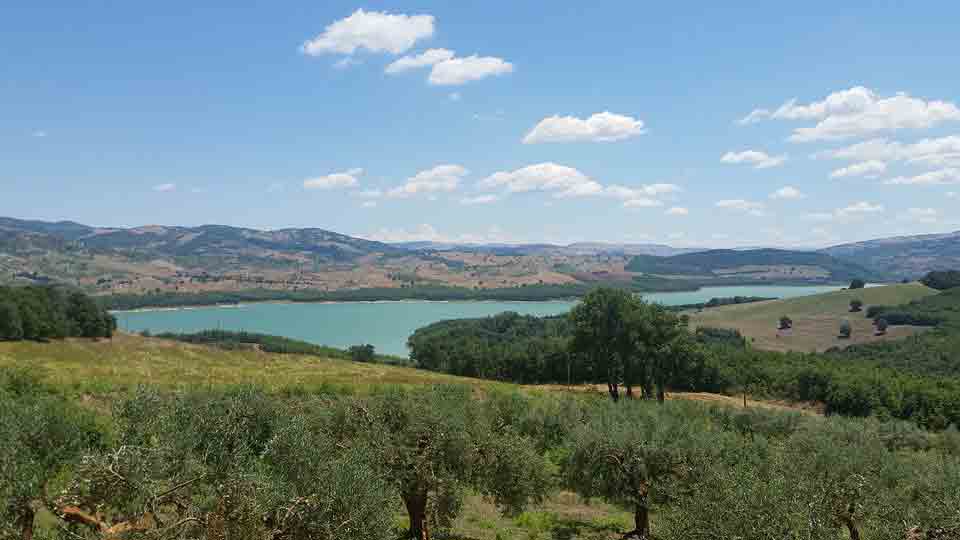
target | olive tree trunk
[
  {"x": 416, "y": 503},
  {"x": 25, "y": 522}
]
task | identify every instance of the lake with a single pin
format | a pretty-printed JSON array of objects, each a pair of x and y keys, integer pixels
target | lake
[{"x": 386, "y": 325}]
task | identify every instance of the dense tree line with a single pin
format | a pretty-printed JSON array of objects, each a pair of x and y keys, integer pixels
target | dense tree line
[
  {"x": 623, "y": 341},
  {"x": 536, "y": 292},
  {"x": 244, "y": 464},
  {"x": 942, "y": 280},
  {"x": 41, "y": 313}
]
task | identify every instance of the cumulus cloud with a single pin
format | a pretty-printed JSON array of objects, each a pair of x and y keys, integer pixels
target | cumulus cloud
[
  {"x": 787, "y": 192},
  {"x": 942, "y": 151},
  {"x": 759, "y": 160},
  {"x": 920, "y": 215},
  {"x": 550, "y": 177},
  {"x": 333, "y": 181},
  {"x": 479, "y": 199},
  {"x": 368, "y": 193},
  {"x": 870, "y": 169},
  {"x": 424, "y": 59},
  {"x": 442, "y": 178},
  {"x": 677, "y": 211},
  {"x": 850, "y": 212},
  {"x": 859, "y": 208},
  {"x": 642, "y": 202},
  {"x": 564, "y": 182},
  {"x": 447, "y": 69},
  {"x": 941, "y": 177},
  {"x": 600, "y": 127},
  {"x": 457, "y": 71},
  {"x": 751, "y": 207},
  {"x": 425, "y": 232},
  {"x": 858, "y": 111},
  {"x": 163, "y": 188},
  {"x": 373, "y": 31}
]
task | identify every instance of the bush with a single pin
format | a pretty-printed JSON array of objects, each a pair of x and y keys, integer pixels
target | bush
[
  {"x": 856, "y": 305},
  {"x": 845, "y": 329},
  {"x": 857, "y": 284},
  {"x": 942, "y": 280}
]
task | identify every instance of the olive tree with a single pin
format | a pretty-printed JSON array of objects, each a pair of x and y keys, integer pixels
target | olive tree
[
  {"x": 882, "y": 326},
  {"x": 845, "y": 329},
  {"x": 856, "y": 305},
  {"x": 435, "y": 443},
  {"x": 40, "y": 434},
  {"x": 600, "y": 335},
  {"x": 636, "y": 455}
]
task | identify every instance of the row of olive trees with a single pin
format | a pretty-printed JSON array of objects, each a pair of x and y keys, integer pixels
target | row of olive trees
[
  {"x": 249, "y": 465},
  {"x": 244, "y": 464}
]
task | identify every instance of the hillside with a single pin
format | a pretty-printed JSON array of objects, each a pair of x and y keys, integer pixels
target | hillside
[
  {"x": 906, "y": 256},
  {"x": 129, "y": 360},
  {"x": 756, "y": 264},
  {"x": 816, "y": 318}
]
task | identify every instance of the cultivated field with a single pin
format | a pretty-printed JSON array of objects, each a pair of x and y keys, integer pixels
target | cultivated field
[{"x": 816, "y": 318}]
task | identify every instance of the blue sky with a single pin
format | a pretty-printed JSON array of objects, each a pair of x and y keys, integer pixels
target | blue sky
[{"x": 487, "y": 121}]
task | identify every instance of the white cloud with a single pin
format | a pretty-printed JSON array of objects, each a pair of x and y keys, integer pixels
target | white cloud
[
  {"x": 941, "y": 177},
  {"x": 942, "y": 151},
  {"x": 371, "y": 30},
  {"x": 847, "y": 213},
  {"x": 424, "y": 59},
  {"x": 751, "y": 207},
  {"x": 642, "y": 202},
  {"x": 561, "y": 180},
  {"x": 368, "y": 193},
  {"x": 787, "y": 192},
  {"x": 335, "y": 180},
  {"x": 870, "y": 169},
  {"x": 759, "y": 160},
  {"x": 442, "y": 178},
  {"x": 421, "y": 233},
  {"x": 163, "y": 188},
  {"x": 859, "y": 111},
  {"x": 859, "y": 208},
  {"x": 600, "y": 127},
  {"x": 369, "y": 204},
  {"x": 480, "y": 199},
  {"x": 457, "y": 71},
  {"x": 677, "y": 211},
  {"x": 920, "y": 215}
]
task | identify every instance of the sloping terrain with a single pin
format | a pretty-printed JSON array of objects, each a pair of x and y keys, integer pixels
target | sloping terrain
[
  {"x": 759, "y": 264},
  {"x": 906, "y": 256},
  {"x": 816, "y": 318}
]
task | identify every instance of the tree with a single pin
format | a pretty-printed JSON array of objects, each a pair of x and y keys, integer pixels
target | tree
[
  {"x": 11, "y": 327},
  {"x": 660, "y": 348},
  {"x": 942, "y": 280},
  {"x": 786, "y": 323},
  {"x": 845, "y": 329},
  {"x": 362, "y": 353},
  {"x": 635, "y": 455},
  {"x": 39, "y": 435},
  {"x": 856, "y": 305},
  {"x": 600, "y": 334},
  {"x": 857, "y": 284},
  {"x": 434, "y": 444},
  {"x": 882, "y": 325}
]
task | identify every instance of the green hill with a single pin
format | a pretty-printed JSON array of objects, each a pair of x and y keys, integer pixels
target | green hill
[{"x": 759, "y": 264}]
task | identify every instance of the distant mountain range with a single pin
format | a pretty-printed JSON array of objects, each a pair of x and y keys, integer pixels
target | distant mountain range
[
  {"x": 163, "y": 255},
  {"x": 906, "y": 256},
  {"x": 206, "y": 240}
]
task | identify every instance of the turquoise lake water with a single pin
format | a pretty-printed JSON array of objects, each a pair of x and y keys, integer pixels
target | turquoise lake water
[{"x": 386, "y": 325}]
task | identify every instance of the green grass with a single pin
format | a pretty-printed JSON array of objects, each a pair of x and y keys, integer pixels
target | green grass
[
  {"x": 816, "y": 318},
  {"x": 105, "y": 366}
]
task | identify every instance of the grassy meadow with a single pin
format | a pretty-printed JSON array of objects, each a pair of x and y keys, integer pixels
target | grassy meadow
[{"x": 816, "y": 318}]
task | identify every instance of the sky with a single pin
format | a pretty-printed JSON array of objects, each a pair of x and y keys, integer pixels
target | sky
[{"x": 685, "y": 123}]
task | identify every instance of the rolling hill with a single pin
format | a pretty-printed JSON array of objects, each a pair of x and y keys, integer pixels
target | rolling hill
[
  {"x": 903, "y": 256},
  {"x": 757, "y": 264}
]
